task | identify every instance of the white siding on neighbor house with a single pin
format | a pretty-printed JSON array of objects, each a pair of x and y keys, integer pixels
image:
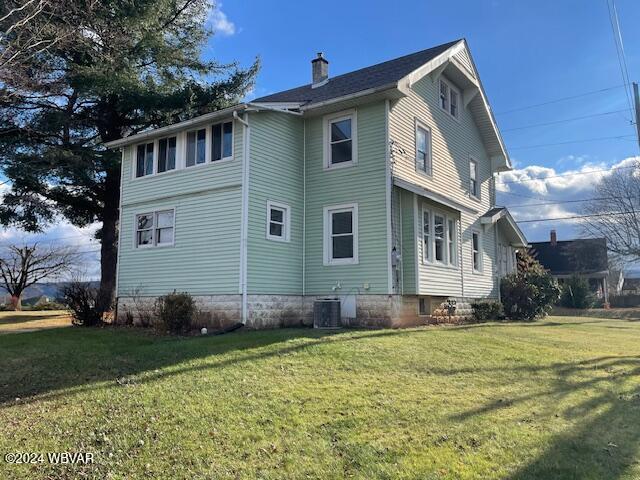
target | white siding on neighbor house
[
  {"x": 464, "y": 58},
  {"x": 205, "y": 256},
  {"x": 454, "y": 142}
]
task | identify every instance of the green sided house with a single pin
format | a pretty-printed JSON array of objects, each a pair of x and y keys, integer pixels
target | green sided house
[{"x": 375, "y": 188}]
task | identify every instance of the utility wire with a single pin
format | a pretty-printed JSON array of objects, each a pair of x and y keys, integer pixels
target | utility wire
[
  {"x": 586, "y": 140},
  {"x": 563, "y": 99},
  {"x": 617, "y": 39},
  {"x": 573, "y": 217},
  {"x": 555, "y": 122},
  {"x": 558, "y": 202},
  {"x": 570, "y": 174}
]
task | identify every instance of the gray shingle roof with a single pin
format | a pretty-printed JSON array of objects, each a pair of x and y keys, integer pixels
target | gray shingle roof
[
  {"x": 490, "y": 213},
  {"x": 359, "y": 80},
  {"x": 580, "y": 256}
]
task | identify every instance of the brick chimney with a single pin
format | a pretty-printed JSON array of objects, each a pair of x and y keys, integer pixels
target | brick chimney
[
  {"x": 319, "y": 70},
  {"x": 554, "y": 238}
]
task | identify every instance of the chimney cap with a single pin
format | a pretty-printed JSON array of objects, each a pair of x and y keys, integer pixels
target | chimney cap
[{"x": 320, "y": 58}]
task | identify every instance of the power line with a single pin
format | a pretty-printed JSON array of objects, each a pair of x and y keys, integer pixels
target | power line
[
  {"x": 586, "y": 140},
  {"x": 617, "y": 39},
  {"x": 570, "y": 174},
  {"x": 573, "y": 217},
  {"x": 563, "y": 99},
  {"x": 558, "y": 202},
  {"x": 533, "y": 125}
]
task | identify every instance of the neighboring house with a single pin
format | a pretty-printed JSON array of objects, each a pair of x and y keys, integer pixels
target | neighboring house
[
  {"x": 615, "y": 281},
  {"x": 375, "y": 187},
  {"x": 584, "y": 257},
  {"x": 631, "y": 286}
]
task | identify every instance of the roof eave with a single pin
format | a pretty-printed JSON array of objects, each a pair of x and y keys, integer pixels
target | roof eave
[
  {"x": 157, "y": 132},
  {"x": 390, "y": 87}
]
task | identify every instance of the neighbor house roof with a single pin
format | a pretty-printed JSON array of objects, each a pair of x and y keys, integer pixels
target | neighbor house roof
[
  {"x": 581, "y": 256},
  {"x": 375, "y": 76},
  {"x": 631, "y": 284}
]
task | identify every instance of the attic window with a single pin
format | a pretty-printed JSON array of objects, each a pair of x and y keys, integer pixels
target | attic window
[{"x": 449, "y": 98}]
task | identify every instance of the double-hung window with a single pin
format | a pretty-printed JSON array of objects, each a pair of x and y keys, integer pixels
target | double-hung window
[
  {"x": 196, "y": 147},
  {"x": 451, "y": 241},
  {"x": 340, "y": 139},
  {"x": 278, "y": 221},
  {"x": 166, "y": 154},
  {"x": 474, "y": 186},
  {"x": 155, "y": 229},
  {"x": 222, "y": 141},
  {"x": 439, "y": 238},
  {"x": 426, "y": 235},
  {"x": 449, "y": 98},
  {"x": 341, "y": 235},
  {"x": 423, "y": 149},
  {"x": 144, "y": 160},
  {"x": 476, "y": 251}
]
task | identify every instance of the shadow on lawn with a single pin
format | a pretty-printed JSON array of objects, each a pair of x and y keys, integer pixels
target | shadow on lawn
[
  {"x": 47, "y": 364},
  {"x": 22, "y": 318},
  {"x": 605, "y": 444}
]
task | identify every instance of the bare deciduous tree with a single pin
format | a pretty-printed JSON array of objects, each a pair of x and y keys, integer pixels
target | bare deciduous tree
[
  {"x": 21, "y": 267},
  {"x": 615, "y": 213}
]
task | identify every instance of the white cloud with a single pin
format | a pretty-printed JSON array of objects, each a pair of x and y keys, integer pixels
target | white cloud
[
  {"x": 219, "y": 21},
  {"x": 526, "y": 190}
]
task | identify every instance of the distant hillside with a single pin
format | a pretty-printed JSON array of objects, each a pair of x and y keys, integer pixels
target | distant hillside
[{"x": 51, "y": 290}]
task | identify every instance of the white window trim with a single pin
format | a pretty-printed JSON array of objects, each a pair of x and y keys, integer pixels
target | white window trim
[
  {"x": 156, "y": 155},
  {"x": 233, "y": 137},
  {"x": 327, "y": 243},
  {"x": 423, "y": 126},
  {"x": 154, "y": 161},
  {"x": 480, "y": 254},
  {"x": 155, "y": 243},
  {"x": 474, "y": 160},
  {"x": 286, "y": 217},
  {"x": 452, "y": 87},
  {"x": 428, "y": 253},
  {"x": 326, "y": 138},
  {"x": 207, "y": 146},
  {"x": 181, "y": 151}
]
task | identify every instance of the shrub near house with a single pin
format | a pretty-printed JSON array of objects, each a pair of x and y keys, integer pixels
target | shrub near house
[{"x": 530, "y": 292}]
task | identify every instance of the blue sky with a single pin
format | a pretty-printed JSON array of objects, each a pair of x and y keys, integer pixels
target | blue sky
[{"x": 527, "y": 52}]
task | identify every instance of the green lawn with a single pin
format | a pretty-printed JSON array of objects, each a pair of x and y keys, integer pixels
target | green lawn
[{"x": 555, "y": 399}]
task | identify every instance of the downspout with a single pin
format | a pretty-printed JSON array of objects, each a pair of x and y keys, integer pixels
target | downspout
[
  {"x": 122, "y": 149},
  {"x": 244, "y": 215},
  {"x": 304, "y": 209},
  {"x": 387, "y": 173},
  {"x": 498, "y": 259}
]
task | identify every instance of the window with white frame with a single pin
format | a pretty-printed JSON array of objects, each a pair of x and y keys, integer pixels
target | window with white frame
[
  {"x": 449, "y": 98},
  {"x": 439, "y": 238},
  {"x": 476, "y": 251},
  {"x": 474, "y": 186},
  {"x": 167, "y": 154},
  {"x": 221, "y": 141},
  {"x": 341, "y": 234},
  {"x": 144, "y": 160},
  {"x": 451, "y": 241},
  {"x": 426, "y": 235},
  {"x": 155, "y": 229},
  {"x": 423, "y": 149},
  {"x": 196, "y": 147},
  {"x": 340, "y": 139},
  {"x": 278, "y": 221}
]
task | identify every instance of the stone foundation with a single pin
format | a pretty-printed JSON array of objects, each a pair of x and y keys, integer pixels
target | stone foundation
[{"x": 276, "y": 311}]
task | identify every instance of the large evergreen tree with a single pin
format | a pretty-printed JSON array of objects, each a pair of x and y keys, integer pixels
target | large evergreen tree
[{"x": 123, "y": 67}]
